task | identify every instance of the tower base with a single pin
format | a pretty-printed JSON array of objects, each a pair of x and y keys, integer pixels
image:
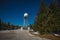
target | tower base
[
  {"x": 25, "y": 28},
  {"x": 28, "y": 28},
  {"x": 21, "y": 28}
]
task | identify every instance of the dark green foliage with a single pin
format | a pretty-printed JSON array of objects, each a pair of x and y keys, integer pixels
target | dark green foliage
[
  {"x": 40, "y": 18},
  {"x": 55, "y": 18},
  {"x": 31, "y": 26},
  {"x": 0, "y": 24},
  {"x": 9, "y": 26},
  {"x": 48, "y": 18}
]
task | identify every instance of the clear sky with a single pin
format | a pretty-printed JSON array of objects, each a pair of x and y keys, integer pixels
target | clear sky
[{"x": 13, "y": 10}]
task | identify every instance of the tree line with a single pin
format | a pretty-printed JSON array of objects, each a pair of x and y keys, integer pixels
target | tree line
[
  {"x": 8, "y": 26},
  {"x": 47, "y": 19}
]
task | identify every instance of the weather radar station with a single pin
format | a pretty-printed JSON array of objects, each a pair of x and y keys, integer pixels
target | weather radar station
[
  {"x": 25, "y": 25},
  {"x": 25, "y": 19}
]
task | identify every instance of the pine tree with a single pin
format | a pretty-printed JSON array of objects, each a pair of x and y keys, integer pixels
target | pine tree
[
  {"x": 40, "y": 18},
  {"x": 54, "y": 17},
  {"x": 0, "y": 24},
  {"x": 57, "y": 20},
  {"x": 8, "y": 25},
  {"x": 48, "y": 18},
  {"x": 35, "y": 28}
]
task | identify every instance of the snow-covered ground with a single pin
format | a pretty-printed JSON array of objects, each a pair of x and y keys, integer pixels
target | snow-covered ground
[{"x": 18, "y": 35}]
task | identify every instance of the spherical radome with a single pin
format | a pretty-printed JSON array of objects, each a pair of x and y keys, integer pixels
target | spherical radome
[{"x": 25, "y": 14}]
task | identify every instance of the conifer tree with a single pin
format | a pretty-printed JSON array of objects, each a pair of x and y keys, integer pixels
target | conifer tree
[
  {"x": 48, "y": 18},
  {"x": 40, "y": 18},
  {"x": 0, "y": 24},
  {"x": 54, "y": 17}
]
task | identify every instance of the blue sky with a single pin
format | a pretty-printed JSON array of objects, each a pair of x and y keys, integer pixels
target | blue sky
[{"x": 13, "y": 10}]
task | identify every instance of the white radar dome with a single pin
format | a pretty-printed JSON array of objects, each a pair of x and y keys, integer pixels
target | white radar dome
[{"x": 25, "y": 14}]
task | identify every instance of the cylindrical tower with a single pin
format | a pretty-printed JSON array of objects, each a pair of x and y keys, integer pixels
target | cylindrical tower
[{"x": 25, "y": 19}]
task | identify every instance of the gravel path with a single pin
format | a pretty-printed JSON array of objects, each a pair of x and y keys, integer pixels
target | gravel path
[{"x": 18, "y": 35}]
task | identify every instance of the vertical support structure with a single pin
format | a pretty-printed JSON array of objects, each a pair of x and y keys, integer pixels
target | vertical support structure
[
  {"x": 25, "y": 19},
  {"x": 24, "y": 23}
]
